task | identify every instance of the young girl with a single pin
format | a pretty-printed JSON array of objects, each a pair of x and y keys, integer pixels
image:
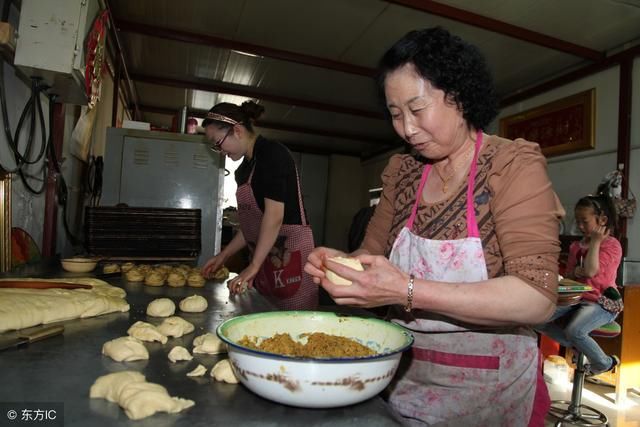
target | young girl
[{"x": 594, "y": 261}]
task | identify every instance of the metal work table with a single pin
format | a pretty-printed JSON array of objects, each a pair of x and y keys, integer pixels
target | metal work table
[{"x": 63, "y": 368}]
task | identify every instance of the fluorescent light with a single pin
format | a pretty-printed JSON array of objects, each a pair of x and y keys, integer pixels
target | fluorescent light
[{"x": 251, "y": 55}]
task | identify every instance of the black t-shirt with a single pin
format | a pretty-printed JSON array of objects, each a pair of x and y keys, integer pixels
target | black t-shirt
[{"x": 274, "y": 177}]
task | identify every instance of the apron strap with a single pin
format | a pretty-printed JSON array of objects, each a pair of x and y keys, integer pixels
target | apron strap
[
  {"x": 303, "y": 217},
  {"x": 472, "y": 223},
  {"x": 414, "y": 210}
]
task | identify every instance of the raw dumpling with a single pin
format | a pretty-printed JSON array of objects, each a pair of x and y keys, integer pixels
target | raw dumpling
[
  {"x": 146, "y": 332},
  {"x": 222, "y": 371},
  {"x": 111, "y": 268},
  {"x": 127, "y": 266},
  {"x": 154, "y": 278},
  {"x": 194, "y": 304},
  {"x": 161, "y": 307},
  {"x": 176, "y": 279},
  {"x": 125, "y": 349},
  {"x": 109, "y": 386},
  {"x": 134, "y": 275},
  {"x": 208, "y": 344},
  {"x": 221, "y": 274},
  {"x": 195, "y": 279},
  {"x": 175, "y": 326},
  {"x": 197, "y": 372},
  {"x": 138, "y": 398},
  {"x": 179, "y": 353}
]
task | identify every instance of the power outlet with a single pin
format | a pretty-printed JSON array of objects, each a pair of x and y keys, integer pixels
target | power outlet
[{"x": 7, "y": 41}]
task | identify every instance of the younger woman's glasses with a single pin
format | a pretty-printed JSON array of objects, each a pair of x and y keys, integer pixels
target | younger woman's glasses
[{"x": 217, "y": 146}]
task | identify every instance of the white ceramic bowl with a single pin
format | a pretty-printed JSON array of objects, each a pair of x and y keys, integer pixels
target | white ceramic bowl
[
  {"x": 79, "y": 265},
  {"x": 315, "y": 383}
]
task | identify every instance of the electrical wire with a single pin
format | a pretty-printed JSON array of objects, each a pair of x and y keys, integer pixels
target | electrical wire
[
  {"x": 94, "y": 180},
  {"x": 33, "y": 110},
  {"x": 62, "y": 192}
]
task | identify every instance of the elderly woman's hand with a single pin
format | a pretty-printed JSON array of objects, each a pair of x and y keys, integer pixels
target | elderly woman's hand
[
  {"x": 381, "y": 283},
  {"x": 315, "y": 262}
]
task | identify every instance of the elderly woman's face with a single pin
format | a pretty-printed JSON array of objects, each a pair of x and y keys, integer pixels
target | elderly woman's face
[{"x": 422, "y": 116}]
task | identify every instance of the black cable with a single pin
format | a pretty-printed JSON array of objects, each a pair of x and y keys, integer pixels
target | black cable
[
  {"x": 5, "y": 117},
  {"x": 33, "y": 106},
  {"x": 62, "y": 192},
  {"x": 33, "y": 109},
  {"x": 94, "y": 180}
]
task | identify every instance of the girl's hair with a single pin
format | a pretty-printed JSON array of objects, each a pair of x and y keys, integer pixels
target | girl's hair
[
  {"x": 247, "y": 114},
  {"x": 601, "y": 205}
]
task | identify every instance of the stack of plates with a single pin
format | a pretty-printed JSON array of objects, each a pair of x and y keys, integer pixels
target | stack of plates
[{"x": 570, "y": 292}]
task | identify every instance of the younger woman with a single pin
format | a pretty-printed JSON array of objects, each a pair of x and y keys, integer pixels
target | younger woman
[
  {"x": 270, "y": 210},
  {"x": 594, "y": 261}
]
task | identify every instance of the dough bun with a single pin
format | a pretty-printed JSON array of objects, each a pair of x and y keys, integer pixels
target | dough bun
[
  {"x": 221, "y": 274},
  {"x": 349, "y": 262}
]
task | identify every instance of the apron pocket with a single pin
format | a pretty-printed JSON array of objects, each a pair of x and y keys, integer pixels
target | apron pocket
[{"x": 455, "y": 370}]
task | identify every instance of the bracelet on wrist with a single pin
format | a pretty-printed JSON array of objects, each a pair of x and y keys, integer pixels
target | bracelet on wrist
[{"x": 409, "y": 305}]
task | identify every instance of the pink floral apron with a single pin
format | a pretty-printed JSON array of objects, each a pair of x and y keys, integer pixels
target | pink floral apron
[
  {"x": 457, "y": 376},
  {"x": 281, "y": 278}
]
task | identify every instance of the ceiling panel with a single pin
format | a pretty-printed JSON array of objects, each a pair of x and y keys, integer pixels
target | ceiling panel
[
  {"x": 597, "y": 24},
  {"x": 159, "y": 57},
  {"x": 322, "y": 28},
  {"x": 513, "y": 62},
  {"x": 355, "y": 32},
  {"x": 215, "y": 17}
]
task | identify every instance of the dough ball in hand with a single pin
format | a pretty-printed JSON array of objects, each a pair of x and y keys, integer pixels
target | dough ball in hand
[
  {"x": 349, "y": 262},
  {"x": 221, "y": 274}
]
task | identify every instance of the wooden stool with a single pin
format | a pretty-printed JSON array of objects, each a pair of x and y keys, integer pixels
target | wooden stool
[{"x": 573, "y": 411}]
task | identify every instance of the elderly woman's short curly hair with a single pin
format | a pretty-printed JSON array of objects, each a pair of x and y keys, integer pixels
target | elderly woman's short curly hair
[{"x": 449, "y": 64}]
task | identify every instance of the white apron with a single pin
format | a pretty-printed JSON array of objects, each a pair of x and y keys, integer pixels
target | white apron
[{"x": 458, "y": 377}]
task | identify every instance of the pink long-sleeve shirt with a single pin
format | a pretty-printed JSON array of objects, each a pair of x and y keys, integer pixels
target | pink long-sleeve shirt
[{"x": 609, "y": 260}]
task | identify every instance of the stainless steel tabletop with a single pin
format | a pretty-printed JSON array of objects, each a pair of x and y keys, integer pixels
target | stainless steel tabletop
[{"x": 63, "y": 368}]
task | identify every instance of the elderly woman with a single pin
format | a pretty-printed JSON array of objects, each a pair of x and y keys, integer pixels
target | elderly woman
[{"x": 463, "y": 245}]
